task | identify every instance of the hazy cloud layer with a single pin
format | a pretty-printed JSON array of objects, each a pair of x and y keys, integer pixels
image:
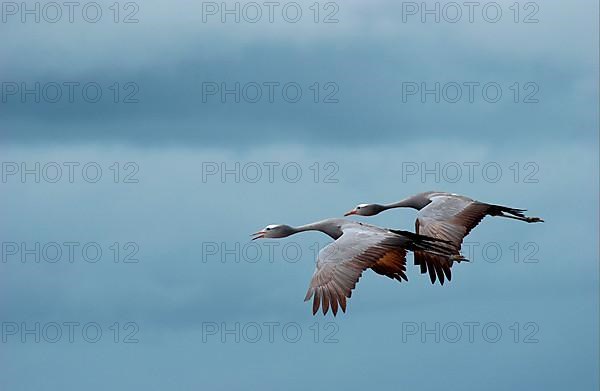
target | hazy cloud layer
[{"x": 371, "y": 58}]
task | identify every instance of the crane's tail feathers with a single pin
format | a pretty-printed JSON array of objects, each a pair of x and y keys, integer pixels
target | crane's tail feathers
[
  {"x": 418, "y": 237},
  {"x": 513, "y": 213},
  {"x": 441, "y": 247},
  {"x": 498, "y": 210}
]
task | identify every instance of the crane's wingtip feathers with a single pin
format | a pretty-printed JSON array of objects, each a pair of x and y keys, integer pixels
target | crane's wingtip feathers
[{"x": 309, "y": 294}]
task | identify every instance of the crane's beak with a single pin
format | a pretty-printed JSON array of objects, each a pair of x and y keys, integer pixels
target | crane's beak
[
  {"x": 352, "y": 212},
  {"x": 258, "y": 235}
]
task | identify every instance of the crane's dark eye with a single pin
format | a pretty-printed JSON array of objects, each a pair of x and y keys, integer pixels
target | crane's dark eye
[
  {"x": 268, "y": 229},
  {"x": 358, "y": 207}
]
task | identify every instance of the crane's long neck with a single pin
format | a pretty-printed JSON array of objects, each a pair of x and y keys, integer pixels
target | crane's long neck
[
  {"x": 321, "y": 227},
  {"x": 416, "y": 202},
  {"x": 308, "y": 227}
]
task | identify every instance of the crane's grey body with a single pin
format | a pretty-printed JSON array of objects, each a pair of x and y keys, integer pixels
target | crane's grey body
[
  {"x": 356, "y": 247},
  {"x": 446, "y": 216}
]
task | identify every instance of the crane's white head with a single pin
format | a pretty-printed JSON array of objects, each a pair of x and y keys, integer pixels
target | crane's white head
[
  {"x": 366, "y": 210},
  {"x": 274, "y": 231}
]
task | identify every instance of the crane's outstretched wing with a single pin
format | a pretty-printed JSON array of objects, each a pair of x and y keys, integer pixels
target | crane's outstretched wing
[
  {"x": 450, "y": 218},
  {"x": 341, "y": 264},
  {"x": 393, "y": 267}
]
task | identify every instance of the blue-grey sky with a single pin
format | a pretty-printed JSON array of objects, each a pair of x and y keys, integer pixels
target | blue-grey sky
[{"x": 367, "y": 136}]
